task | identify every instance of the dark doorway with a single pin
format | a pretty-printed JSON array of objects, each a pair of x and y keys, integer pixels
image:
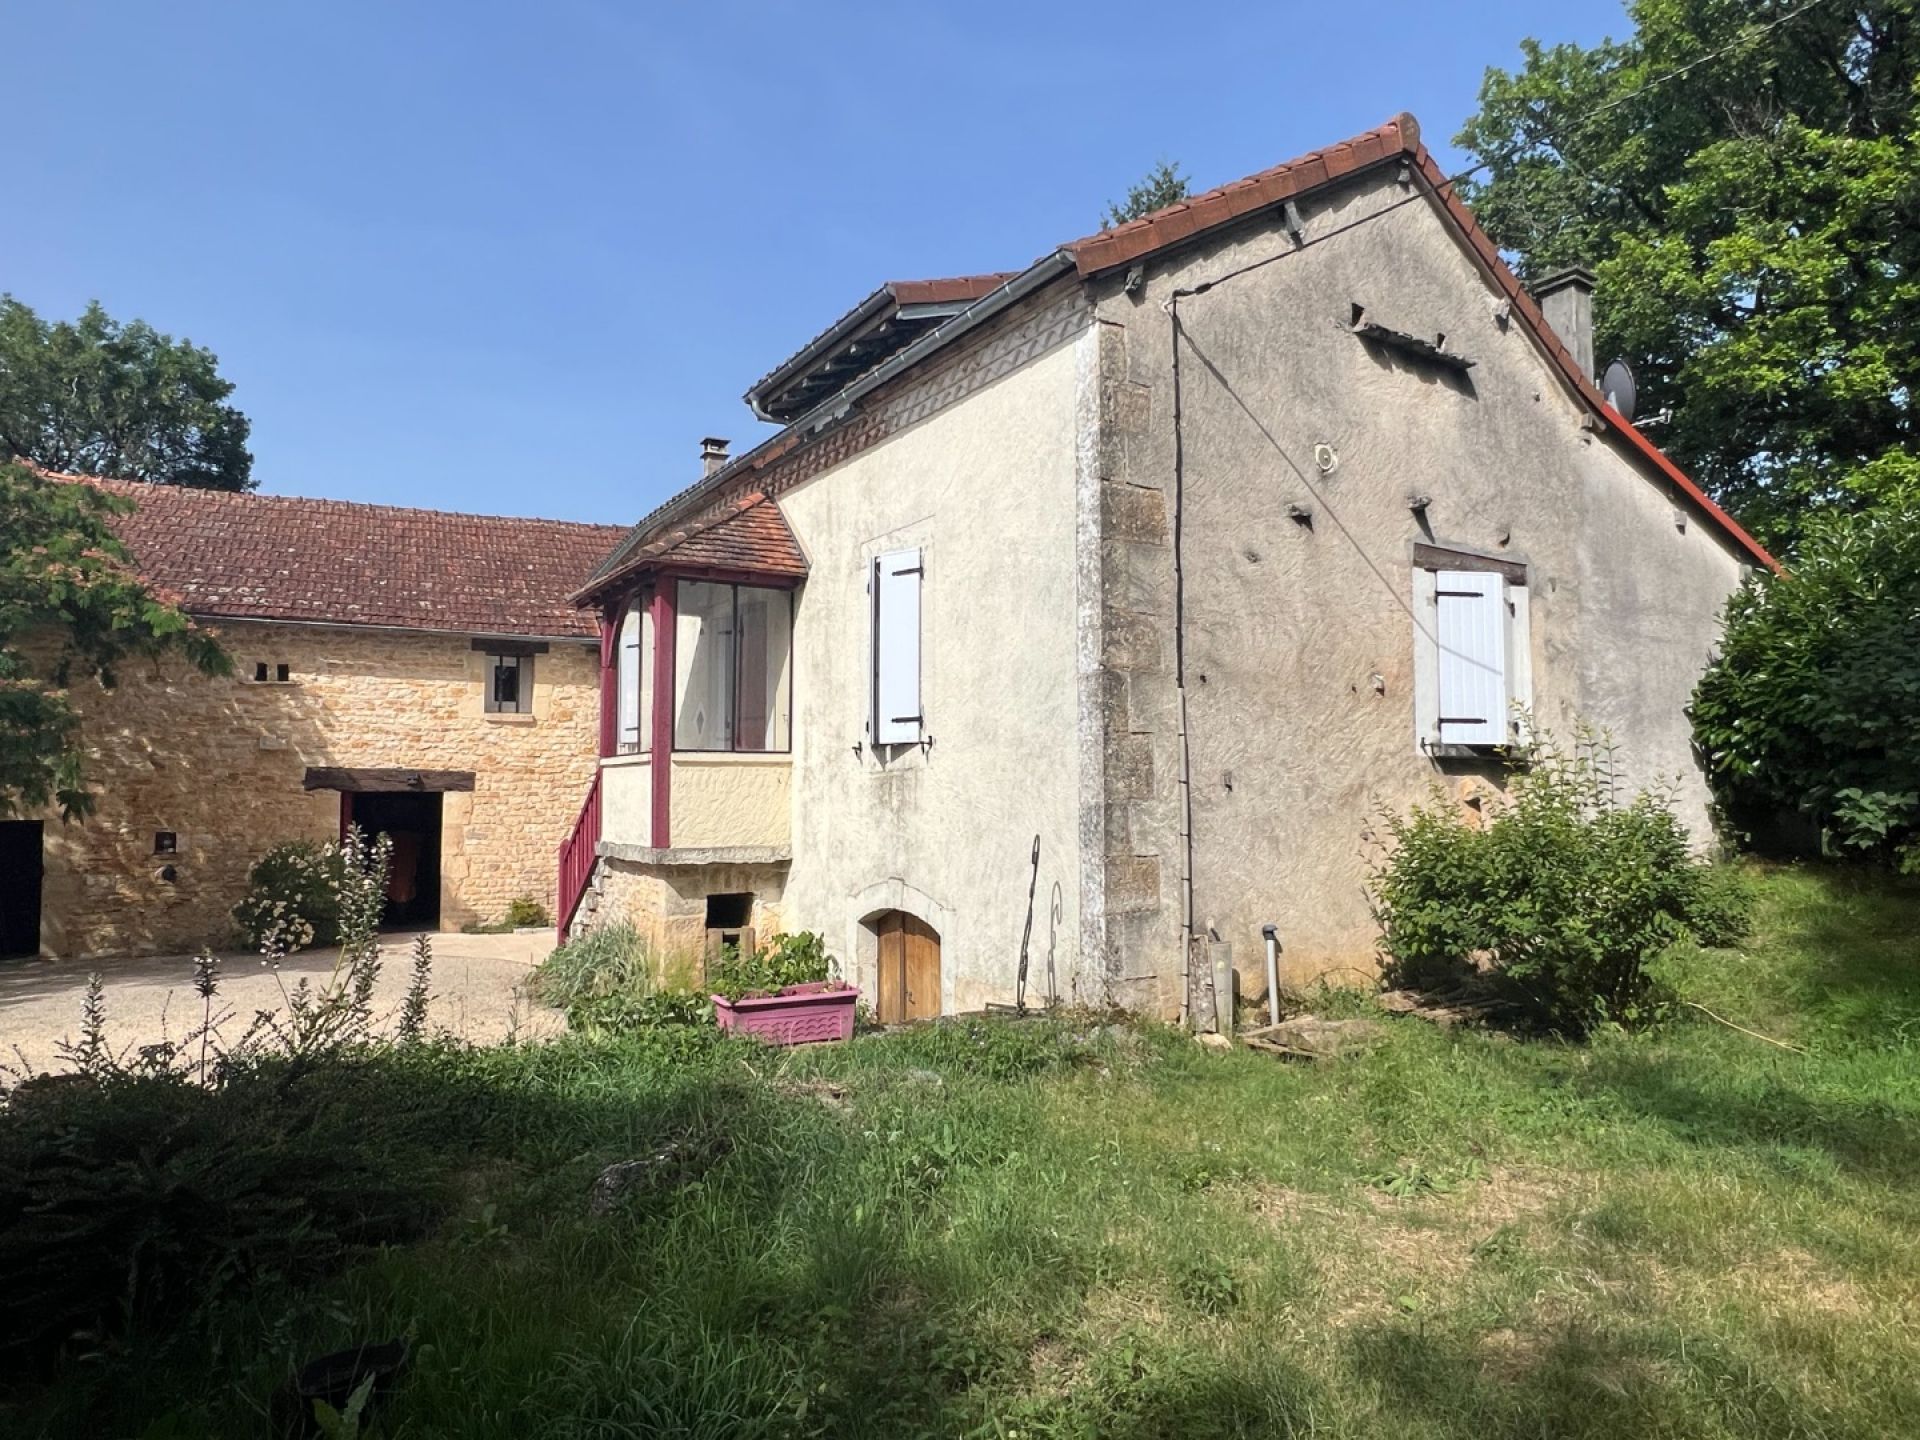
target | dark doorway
[
  {"x": 21, "y": 868},
  {"x": 412, "y": 818}
]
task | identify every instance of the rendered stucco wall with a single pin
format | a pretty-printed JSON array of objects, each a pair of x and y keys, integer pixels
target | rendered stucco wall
[
  {"x": 1299, "y": 634},
  {"x": 945, "y": 830},
  {"x": 220, "y": 762},
  {"x": 626, "y": 799},
  {"x": 730, "y": 800}
]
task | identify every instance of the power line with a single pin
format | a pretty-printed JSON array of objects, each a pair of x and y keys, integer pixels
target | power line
[
  {"x": 1750, "y": 34},
  {"x": 1745, "y": 37}
]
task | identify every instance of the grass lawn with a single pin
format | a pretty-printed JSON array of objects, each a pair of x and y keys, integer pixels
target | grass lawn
[{"x": 1064, "y": 1229}]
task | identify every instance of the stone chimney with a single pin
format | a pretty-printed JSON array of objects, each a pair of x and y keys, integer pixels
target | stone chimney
[
  {"x": 1566, "y": 299},
  {"x": 713, "y": 451}
]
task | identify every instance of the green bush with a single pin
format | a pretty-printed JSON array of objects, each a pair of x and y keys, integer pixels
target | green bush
[
  {"x": 293, "y": 898},
  {"x": 785, "y": 960},
  {"x": 1813, "y": 704},
  {"x": 1563, "y": 895},
  {"x": 524, "y": 910}
]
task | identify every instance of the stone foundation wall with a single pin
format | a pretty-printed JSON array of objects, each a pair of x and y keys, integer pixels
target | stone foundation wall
[
  {"x": 667, "y": 904},
  {"x": 219, "y": 763}
]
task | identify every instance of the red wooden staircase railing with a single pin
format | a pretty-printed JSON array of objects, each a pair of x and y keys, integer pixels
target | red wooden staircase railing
[{"x": 577, "y": 855}]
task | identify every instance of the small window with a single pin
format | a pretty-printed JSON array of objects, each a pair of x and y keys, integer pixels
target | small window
[
  {"x": 260, "y": 671},
  {"x": 1472, "y": 667},
  {"x": 166, "y": 842},
  {"x": 732, "y": 665},
  {"x": 729, "y": 912},
  {"x": 509, "y": 684},
  {"x": 283, "y": 672}
]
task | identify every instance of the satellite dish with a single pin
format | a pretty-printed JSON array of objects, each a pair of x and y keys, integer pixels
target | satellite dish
[{"x": 1619, "y": 388}]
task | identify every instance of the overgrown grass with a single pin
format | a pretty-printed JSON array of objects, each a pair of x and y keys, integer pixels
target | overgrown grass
[{"x": 1074, "y": 1229}]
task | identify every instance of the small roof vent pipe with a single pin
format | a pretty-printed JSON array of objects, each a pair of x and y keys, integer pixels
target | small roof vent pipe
[{"x": 713, "y": 454}]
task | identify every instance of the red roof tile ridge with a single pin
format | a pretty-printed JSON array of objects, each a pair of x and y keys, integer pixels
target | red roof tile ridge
[{"x": 1117, "y": 246}]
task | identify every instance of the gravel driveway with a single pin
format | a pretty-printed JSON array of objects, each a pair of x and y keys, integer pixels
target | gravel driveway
[{"x": 479, "y": 993}]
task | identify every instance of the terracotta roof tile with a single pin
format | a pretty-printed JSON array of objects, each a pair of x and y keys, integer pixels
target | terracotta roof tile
[
  {"x": 1126, "y": 243},
  {"x": 281, "y": 557},
  {"x": 750, "y": 534},
  {"x": 948, "y": 291}
]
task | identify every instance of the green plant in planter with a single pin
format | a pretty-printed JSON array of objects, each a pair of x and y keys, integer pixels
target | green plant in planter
[{"x": 785, "y": 960}]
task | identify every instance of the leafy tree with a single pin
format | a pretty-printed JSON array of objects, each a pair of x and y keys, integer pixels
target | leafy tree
[
  {"x": 71, "y": 610},
  {"x": 1744, "y": 178},
  {"x": 95, "y": 397},
  {"x": 1814, "y": 701},
  {"x": 1162, "y": 186}
]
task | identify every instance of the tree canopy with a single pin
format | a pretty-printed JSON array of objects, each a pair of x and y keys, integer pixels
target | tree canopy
[
  {"x": 1162, "y": 186},
  {"x": 1744, "y": 179},
  {"x": 1813, "y": 703},
  {"x": 95, "y": 397},
  {"x": 71, "y": 610}
]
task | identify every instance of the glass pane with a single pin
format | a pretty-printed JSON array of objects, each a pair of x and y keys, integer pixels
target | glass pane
[
  {"x": 703, "y": 667},
  {"x": 766, "y": 633},
  {"x": 506, "y": 683},
  {"x": 633, "y": 680},
  {"x": 629, "y": 727},
  {"x": 646, "y": 670}
]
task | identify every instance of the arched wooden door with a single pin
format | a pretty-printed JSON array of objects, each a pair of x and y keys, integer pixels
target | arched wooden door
[{"x": 909, "y": 968}]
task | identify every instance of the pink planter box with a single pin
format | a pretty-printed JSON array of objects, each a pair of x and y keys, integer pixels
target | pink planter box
[{"x": 798, "y": 1015}]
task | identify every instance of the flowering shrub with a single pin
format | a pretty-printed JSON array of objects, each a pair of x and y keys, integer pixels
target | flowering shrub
[{"x": 293, "y": 898}]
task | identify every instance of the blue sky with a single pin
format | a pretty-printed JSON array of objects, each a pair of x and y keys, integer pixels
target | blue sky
[{"x": 519, "y": 258}]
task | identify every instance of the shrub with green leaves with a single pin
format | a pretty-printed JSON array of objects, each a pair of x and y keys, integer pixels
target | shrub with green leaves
[
  {"x": 1813, "y": 704},
  {"x": 1563, "y": 895},
  {"x": 293, "y": 898},
  {"x": 524, "y": 911}
]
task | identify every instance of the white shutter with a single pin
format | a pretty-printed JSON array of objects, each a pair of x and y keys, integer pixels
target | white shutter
[
  {"x": 1472, "y": 629},
  {"x": 627, "y": 680},
  {"x": 896, "y": 718}
]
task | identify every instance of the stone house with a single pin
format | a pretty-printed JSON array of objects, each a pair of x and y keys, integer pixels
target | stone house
[
  {"x": 419, "y": 672},
  {"x": 1081, "y": 615}
]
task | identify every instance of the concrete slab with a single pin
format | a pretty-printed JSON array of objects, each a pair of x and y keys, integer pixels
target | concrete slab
[{"x": 479, "y": 993}]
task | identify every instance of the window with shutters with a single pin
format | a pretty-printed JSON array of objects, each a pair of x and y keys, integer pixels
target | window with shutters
[
  {"x": 1472, "y": 671},
  {"x": 732, "y": 656},
  {"x": 633, "y": 678},
  {"x": 895, "y": 715},
  {"x": 509, "y": 684}
]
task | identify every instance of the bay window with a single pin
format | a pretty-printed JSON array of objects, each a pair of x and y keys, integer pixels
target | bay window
[{"x": 732, "y": 662}]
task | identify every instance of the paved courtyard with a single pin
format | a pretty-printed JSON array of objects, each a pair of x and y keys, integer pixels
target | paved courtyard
[{"x": 479, "y": 993}]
